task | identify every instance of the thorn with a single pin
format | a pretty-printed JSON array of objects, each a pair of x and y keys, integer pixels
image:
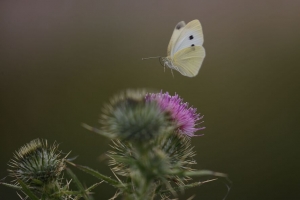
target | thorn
[{"x": 2, "y": 180}]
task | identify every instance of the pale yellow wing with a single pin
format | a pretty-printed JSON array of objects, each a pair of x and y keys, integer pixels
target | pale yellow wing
[
  {"x": 189, "y": 60},
  {"x": 190, "y": 35},
  {"x": 176, "y": 33}
]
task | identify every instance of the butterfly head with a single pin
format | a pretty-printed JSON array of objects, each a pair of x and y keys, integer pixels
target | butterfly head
[{"x": 166, "y": 62}]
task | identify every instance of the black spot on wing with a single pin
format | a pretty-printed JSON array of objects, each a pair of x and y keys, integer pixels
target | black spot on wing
[
  {"x": 179, "y": 26},
  {"x": 191, "y": 37},
  {"x": 192, "y": 45}
]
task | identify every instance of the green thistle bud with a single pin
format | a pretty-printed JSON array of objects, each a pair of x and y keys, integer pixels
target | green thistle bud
[
  {"x": 179, "y": 150},
  {"x": 180, "y": 153},
  {"x": 36, "y": 163},
  {"x": 130, "y": 117},
  {"x": 170, "y": 151}
]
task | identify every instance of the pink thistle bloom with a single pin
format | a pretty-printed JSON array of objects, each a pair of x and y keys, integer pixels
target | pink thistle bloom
[{"x": 184, "y": 117}]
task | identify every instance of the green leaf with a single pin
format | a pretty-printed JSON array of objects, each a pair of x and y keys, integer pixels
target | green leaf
[
  {"x": 78, "y": 194},
  {"x": 205, "y": 173},
  {"x": 105, "y": 134},
  {"x": 93, "y": 186},
  {"x": 27, "y": 191},
  {"x": 78, "y": 184},
  {"x": 197, "y": 173},
  {"x": 11, "y": 186},
  {"x": 187, "y": 186},
  {"x": 98, "y": 175}
]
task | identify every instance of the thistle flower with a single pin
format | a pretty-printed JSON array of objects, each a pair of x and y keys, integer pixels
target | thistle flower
[
  {"x": 36, "y": 163},
  {"x": 184, "y": 117},
  {"x": 176, "y": 146},
  {"x": 130, "y": 117}
]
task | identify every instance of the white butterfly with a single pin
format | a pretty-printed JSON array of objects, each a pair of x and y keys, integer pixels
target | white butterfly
[{"x": 185, "y": 51}]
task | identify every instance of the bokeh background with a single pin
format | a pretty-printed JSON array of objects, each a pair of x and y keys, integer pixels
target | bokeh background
[{"x": 60, "y": 61}]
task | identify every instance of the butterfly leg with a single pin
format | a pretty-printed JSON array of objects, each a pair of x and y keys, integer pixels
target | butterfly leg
[{"x": 172, "y": 73}]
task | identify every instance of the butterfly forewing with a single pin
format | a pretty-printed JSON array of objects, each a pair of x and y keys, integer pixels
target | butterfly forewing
[
  {"x": 190, "y": 35},
  {"x": 189, "y": 60},
  {"x": 176, "y": 33}
]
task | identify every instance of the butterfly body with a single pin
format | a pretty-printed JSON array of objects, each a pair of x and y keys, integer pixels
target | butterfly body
[{"x": 185, "y": 51}]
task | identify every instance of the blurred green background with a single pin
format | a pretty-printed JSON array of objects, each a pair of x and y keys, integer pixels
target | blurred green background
[{"x": 61, "y": 60}]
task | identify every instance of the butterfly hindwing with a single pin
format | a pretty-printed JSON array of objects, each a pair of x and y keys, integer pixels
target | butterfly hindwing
[
  {"x": 189, "y": 60},
  {"x": 190, "y": 35}
]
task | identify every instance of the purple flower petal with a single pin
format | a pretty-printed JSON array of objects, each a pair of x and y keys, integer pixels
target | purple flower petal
[{"x": 185, "y": 117}]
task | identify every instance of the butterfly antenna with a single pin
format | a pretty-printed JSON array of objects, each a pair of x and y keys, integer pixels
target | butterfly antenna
[{"x": 151, "y": 57}]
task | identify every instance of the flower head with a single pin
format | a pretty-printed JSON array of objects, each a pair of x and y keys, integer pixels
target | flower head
[
  {"x": 130, "y": 117},
  {"x": 36, "y": 163},
  {"x": 184, "y": 117}
]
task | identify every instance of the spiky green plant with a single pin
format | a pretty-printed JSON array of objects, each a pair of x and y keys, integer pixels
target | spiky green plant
[
  {"x": 151, "y": 149},
  {"x": 37, "y": 170},
  {"x": 151, "y": 141},
  {"x": 174, "y": 149},
  {"x": 129, "y": 117},
  {"x": 37, "y": 164}
]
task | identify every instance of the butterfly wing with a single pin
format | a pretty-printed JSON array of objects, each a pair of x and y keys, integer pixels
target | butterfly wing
[
  {"x": 189, "y": 60},
  {"x": 176, "y": 33},
  {"x": 190, "y": 35}
]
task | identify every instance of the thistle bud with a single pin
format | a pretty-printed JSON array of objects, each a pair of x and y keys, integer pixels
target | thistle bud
[
  {"x": 130, "y": 117},
  {"x": 180, "y": 153},
  {"x": 36, "y": 163}
]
